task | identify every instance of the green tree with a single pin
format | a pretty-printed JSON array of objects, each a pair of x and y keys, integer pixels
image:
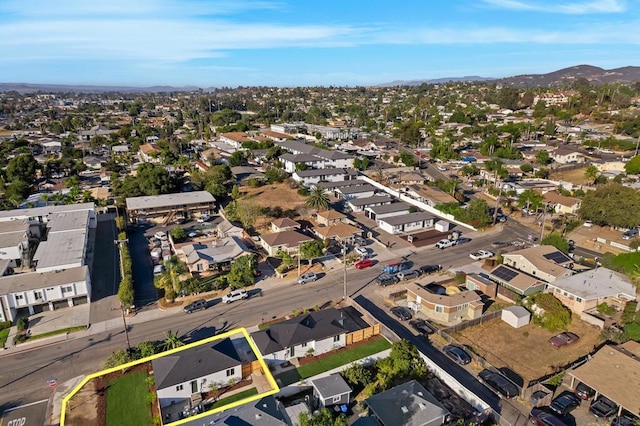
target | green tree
[
  {"x": 171, "y": 341},
  {"x": 361, "y": 163},
  {"x": 22, "y": 168},
  {"x": 357, "y": 375},
  {"x": 543, "y": 158},
  {"x": 477, "y": 214},
  {"x": 632, "y": 167},
  {"x": 243, "y": 272},
  {"x": 235, "y": 192},
  {"x": 530, "y": 199},
  {"x": 526, "y": 168},
  {"x": 311, "y": 250},
  {"x": 126, "y": 293},
  {"x": 408, "y": 159},
  {"x": 555, "y": 316},
  {"x": 610, "y": 205},
  {"x": 633, "y": 331},
  {"x": 236, "y": 159},
  {"x": 317, "y": 199},
  {"x": 591, "y": 172},
  {"x": 323, "y": 417},
  {"x": 556, "y": 240},
  {"x": 178, "y": 234}
]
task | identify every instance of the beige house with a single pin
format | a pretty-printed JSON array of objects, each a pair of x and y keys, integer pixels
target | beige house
[
  {"x": 444, "y": 309},
  {"x": 287, "y": 241},
  {"x": 149, "y": 153},
  {"x": 479, "y": 283},
  {"x": 581, "y": 292},
  {"x": 203, "y": 257},
  {"x": 429, "y": 195},
  {"x": 284, "y": 224},
  {"x": 513, "y": 282},
  {"x": 329, "y": 217},
  {"x": 338, "y": 231},
  {"x": 546, "y": 263},
  {"x": 562, "y": 204}
]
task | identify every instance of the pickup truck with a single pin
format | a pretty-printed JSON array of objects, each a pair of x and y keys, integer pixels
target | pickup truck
[
  {"x": 444, "y": 243},
  {"x": 603, "y": 408},
  {"x": 481, "y": 254}
]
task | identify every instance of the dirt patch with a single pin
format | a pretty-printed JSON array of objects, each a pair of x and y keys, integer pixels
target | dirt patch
[
  {"x": 89, "y": 405},
  {"x": 575, "y": 176},
  {"x": 273, "y": 195},
  {"x": 525, "y": 350}
]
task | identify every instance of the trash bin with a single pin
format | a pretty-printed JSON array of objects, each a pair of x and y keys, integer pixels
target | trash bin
[{"x": 537, "y": 398}]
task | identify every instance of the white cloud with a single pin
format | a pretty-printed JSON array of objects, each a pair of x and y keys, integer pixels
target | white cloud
[{"x": 555, "y": 6}]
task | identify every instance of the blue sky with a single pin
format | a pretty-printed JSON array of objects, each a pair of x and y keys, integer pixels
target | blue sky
[{"x": 212, "y": 43}]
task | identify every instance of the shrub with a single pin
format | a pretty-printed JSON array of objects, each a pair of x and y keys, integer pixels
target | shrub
[
  {"x": 22, "y": 324},
  {"x": 303, "y": 191},
  {"x": 5, "y": 324},
  {"x": 555, "y": 316},
  {"x": 461, "y": 277},
  {"x": 605, "y": 309}
]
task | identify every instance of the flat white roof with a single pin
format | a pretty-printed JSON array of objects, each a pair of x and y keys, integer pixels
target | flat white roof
[
  {"x": 20, "y": 214},
  {"x": 68, "y": 221},
  {"x": 37, "y": 280},
  {"x": 61, "y": 248},
  {"x": 596, "y": 283},
  {"x": 169, "y": 200}
]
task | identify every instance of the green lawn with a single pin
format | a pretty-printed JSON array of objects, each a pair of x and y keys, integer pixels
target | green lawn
[
  {"x": 233, "y": 398},
  {"x": 56, "y": 332},
  {"x": 4, "y": 333},
  {"x": 344, "y": 357},
  {"x": 127, "y": 401}
]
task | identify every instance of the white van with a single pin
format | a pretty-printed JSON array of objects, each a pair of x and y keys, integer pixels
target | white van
[{"x": 161, "y": 235}]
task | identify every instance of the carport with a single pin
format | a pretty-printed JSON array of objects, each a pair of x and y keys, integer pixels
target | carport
[{"x": 613, "y": 372}]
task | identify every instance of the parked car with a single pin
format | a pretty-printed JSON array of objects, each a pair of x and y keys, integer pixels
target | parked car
[
  {"x": 541, "y": 417},
  {"x": 457, "y": 354},
  {"x": 401, "y": 312},
  {"x": 563, "y": 339},
  {"x": 430, "y": 269},
  {"x": 386, "y": 279},
  {"x": 603, "y": 407},
  {"x": 307, "y": 278},
  {"x": 204, "y": 218},
  {"x": 195, "y": 306},
  {"x": 444, "y": 243},
  {"x": 408, "y": 275},
  {"x": 631, "y": 233},
  {"x": 481, "y": 254},
  {"x": 422, "y": 327},
  {"x": 500, "y": 384},
  {"x": 587, "y": 223},
  {"x": 235, "y": 295},
  {"x": 395, "y": 267},
  {"x": 364, "y": 263},
  {"x": 161, "y": 235},
  {"x": 565, "y": 403},
  {"x": 626, "y": 419},
  {"x": 498, "y": 244},
  {"x": 362, "y": 251},
  {"x": 584, "y": 391},
  {"x": 192, "y": 234}
]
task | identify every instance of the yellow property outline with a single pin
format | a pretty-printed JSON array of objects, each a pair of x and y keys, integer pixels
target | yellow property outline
[{"x": 274, "y": 386}]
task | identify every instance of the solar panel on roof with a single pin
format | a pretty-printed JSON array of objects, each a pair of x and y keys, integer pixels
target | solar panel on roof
[
  {"x": 505, "y": 274},
  {"x": 557, "y": 257}
]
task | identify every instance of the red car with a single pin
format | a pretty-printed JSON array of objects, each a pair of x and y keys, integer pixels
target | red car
[
  {"x": 563, "y": 339},
  {"x": 364, "y": 263}
]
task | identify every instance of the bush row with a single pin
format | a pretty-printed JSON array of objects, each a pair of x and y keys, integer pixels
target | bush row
[{"x": 125, "y": 290}]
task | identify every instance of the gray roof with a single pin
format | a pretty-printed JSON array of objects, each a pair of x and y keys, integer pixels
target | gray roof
[
  {"x": 68, "y": 221},
  {"x": 518, "y": 311},
  {"x": 61, "y": 248},
  {"x": 264, "y": 412},
  {"x": 228, "y": 249},
  {"x": 297, "y": 146},
  {"x": 43, "y": 211},
  {"x": 357, "y": 189},
  {"x": 408, "y": 404},
  {"x": 301, "y": 158},
  {"x": 389, "y": 208},
  {"x": 12, "y": 239},
  {"x": 597, "y": 283},
  {"x": 376, "y": 199},
  {"x": 329, "y": 386},
  {"x": 193, "y": 363},
  {"x": 340, "y": 184},
  {"x": 408, "y": 218},
  {"x": 169, "y": 200},
  {"x": 38, "y": 280},
  {"x": 325, "y": 172},
  {"x": 285, "y": 238},
  {"x": 305, "y": 328}
]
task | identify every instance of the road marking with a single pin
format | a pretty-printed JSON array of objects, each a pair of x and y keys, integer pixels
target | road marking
[{"x": 25, "y": 405}]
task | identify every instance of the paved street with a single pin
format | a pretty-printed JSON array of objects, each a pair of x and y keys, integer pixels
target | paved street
[{"x": 24, "y": 375}]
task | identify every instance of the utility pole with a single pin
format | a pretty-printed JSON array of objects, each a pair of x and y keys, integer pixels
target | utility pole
[
  {"x": 544, "y": 219},
  {"x": 344, "y": 266},
  {"x": 124, "y": 321}
]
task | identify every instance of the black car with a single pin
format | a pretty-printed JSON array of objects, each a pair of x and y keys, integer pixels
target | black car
[
  {"x": 542, "y": 417},
  {"x": 430, "y": 269},
  {"x": 457, "y": 354},
  {"x": 603, "y": 407},
  {"x": 500, "y": 384},
  {"x": 584, "y": 391},
  {"x": 195, "y": 306},
  {"x": 401, "y": 312},
  {"x": 421, "y": 327},
  {"x": 626, "y": 419},
  {"x": 565, "y": 403}
]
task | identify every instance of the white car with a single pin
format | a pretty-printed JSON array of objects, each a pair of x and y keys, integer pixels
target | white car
[
  {"x": 204, "y": 218},
  {"x": 235, "y": 295},
  {"x": 442, "y": 168},
  {"x": 161, "y": 235},
  {"x": 444, "y": 243},
  {"x": 362, "y": 251},
  {"x": 481, "y": 254}
]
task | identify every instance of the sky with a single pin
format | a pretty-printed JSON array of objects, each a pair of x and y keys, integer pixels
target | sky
[{"x": 215, "y": 43}]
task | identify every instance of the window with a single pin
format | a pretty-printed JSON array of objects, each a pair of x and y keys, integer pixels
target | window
[
  {"x": 37, "y": 295},
  {"x": 337, "y": 399},
  {"x": 179, "y": 388},
  {"x": 336, "y": 338},
  {"x": 231, "y": 372},
  {"x": 304, "y": 345},
  {"x": 19, "y": 297},
  {"x": 67, "y": 289},
  {"x": 579, "y": 300},
  {"x": 439, "y": 309}
]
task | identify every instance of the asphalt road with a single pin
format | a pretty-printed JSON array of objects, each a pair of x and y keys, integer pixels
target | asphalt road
[{"x": 24, "y": 376}]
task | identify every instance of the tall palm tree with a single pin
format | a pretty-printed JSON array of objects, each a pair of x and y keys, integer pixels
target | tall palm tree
[{"x": 317, "y": 199}]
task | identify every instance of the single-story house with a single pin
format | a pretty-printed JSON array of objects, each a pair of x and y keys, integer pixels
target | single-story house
[
  {"x": 359, "y": 204},
  {"x": 331, "y": 390},
  {"x": 287, "y": 241},
  {"x": 584, "y": 291},
  {"x": 407, "y": 404},
  {"x": 235, "y": 139},
  {"x": 387, "y": 210},
  {"x": 429, "y": 195},
  {"x": 516, "y": 316},
  {"x": 360, "y": 191},
  {"x": 481, "y": 283},
  {"x": 329, "y": 217},
  {"x": 515, "y": 281},
  {"x": 284, "y": 224},
  {"x": 203, "y": 257},
  {"x": 243, "y": 174},
  {"x": 338, "y": 231},
  {"x": 444, "y": 308},
  {"x": 544, "y": 262},
  {"x": 195, "y": 370},
  {"x": 405, "y": 223},
  {"x": 313, "y": 333},
  {"x": 561, "y": 203},
  {"x": 266, "y": 411}
]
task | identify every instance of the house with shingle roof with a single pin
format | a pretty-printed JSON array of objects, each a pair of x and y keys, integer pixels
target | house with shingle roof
[
  {"x": 451, "y": 308},
  {"x": 149, "y": 153},
  {"x": 544, "y": 262},
  {"x": 329, "y": 217},
  {"x": 287, "y": 241},
  {"x": 567, "y": 155},
  {"x": 284, "y": 224},
  {"x": 235, "y": 139},
  {"x": 561, "y": 203},
  {"x": 338, "y": 231},
  {"x": 204, "y": 257}
]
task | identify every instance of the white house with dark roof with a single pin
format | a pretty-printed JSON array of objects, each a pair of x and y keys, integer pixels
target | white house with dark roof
[
  {"x": 333, "y": 174},
  {"x": 409, "y": 222},
  {"x": 266, "y": 411},
  {"x": 584, "y": 291},
  {"x": 360, "y": 204},
  {"x": 387, "y": 210},
  {"x": 360, "y": 191}
]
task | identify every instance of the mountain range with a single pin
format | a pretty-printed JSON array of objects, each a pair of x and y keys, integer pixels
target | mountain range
[{"x": 595, "y": 75}]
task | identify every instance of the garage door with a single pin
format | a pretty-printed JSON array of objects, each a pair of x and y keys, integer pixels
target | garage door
[
  {"x": 81, "y": 300},
  {"x": 60, "y": 304}
]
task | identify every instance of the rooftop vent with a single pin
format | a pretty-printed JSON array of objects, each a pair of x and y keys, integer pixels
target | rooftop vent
[{"x": 404, "y": 409}]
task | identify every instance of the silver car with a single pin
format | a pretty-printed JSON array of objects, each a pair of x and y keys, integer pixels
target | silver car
[{"x": 307, "y": 278}]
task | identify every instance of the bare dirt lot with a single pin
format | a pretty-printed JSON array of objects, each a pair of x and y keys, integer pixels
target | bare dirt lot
[
  {"x": 575, "y": 176},
  {"x": 525, "y": 350},
  {"x": 273, "y": 195}
]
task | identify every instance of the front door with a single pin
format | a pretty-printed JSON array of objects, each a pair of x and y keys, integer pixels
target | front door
[{"x": 194, "y": 386}]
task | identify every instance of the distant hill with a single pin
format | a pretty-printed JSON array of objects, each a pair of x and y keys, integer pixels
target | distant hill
[
  {"x": 434, "y": 81},
  {"x": 595, "y": 75},
  {"x": 52, "y": 88}
]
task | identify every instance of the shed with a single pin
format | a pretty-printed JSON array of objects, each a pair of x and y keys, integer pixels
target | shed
[
  {"x": 331, "y": 390},
  {"x": 442, "y": 226},
  {"x": 516, "y": 316}
]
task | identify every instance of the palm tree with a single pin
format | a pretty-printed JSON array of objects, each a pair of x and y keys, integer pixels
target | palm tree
[
  {"x": 170, "y": 280},
  {"x": 317, "y": 199},
  {"x": 171, "y": 341},
  {"x": 591, "y": 173}
]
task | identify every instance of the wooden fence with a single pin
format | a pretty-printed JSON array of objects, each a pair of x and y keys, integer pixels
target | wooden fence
[{"x": 365, "y": 333}]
